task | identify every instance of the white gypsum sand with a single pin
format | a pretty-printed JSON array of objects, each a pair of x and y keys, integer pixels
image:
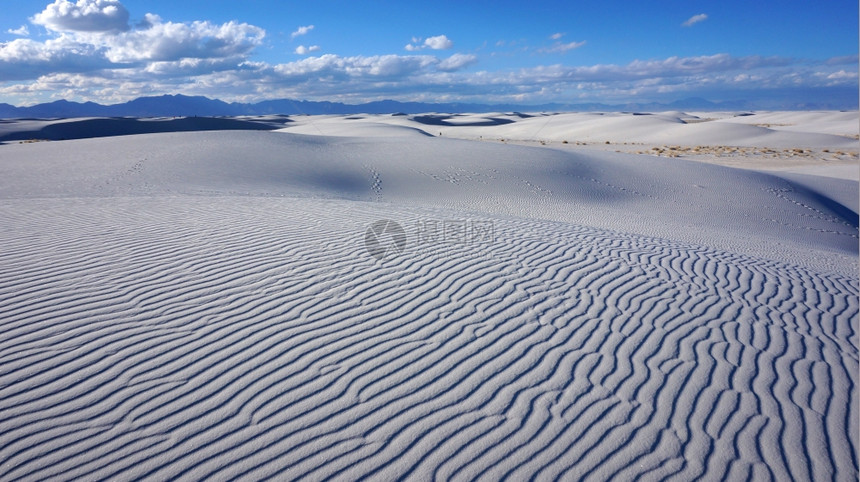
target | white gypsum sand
[
  {"x": 819, "y": 143},
  {"x": 205, "y": 305}
]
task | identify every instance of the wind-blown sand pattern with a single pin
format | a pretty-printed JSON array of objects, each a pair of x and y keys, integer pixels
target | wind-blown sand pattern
[{"x": 202, "y": 306}]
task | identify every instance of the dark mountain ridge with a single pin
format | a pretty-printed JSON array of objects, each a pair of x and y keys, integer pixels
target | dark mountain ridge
[{"x": 185, "y": 106}]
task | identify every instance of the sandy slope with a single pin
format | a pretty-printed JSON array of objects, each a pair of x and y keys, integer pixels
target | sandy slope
[
  {"x": 783, "y": 129},
  {"x": 85, "y": 128},
  {"x": 820, "y": 143},
  {"x": 203, "y": 305}
]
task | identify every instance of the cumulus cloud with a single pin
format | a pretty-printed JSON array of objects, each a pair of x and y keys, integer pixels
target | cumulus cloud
[
  {"x": 21, "y": 31},
  {"x": 642, "y": 79},
  {"x": 23, "y": 59},
  {"x": 93, "y": 53},
  {"x": 302, "y": 50},
  {"x": 165, "y": 41},
  {"x": 439, "y": 42},
  {"x": 426, "y": 77},
  {"x": 185, "y": 68},
  {"x": 695, "y": 19},
  {"x": 301, "y": 31},
  {"x": 331, "y": 74},
  {"x": 84, "y": 16},
  {"x": 335, "y": 66},
  {"x": 93, "y": 35}
]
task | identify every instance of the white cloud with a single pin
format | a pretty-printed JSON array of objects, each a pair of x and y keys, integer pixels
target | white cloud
[
  {"x": 661, "y": 69},
  {"x": 841, "y": 75},
  {"x": 23, "y": 59},
  {"x": 84, "y": 16},
  {"x": 424, "y": 77},
  {"x": 302, "y": 50},
  {"x": 187, "y": 67},
  {"x": 456, "y": 62},
  {"x": 92, "y": 53},
  {"x": 695, "y": 19},
  {"x": 329, "y": 75},
  {"x": 302, "y": 31},
  {"x": 165, "y": 41},
  {"x": 21, "y": 31},
  {"x": 561, "y": 48},
  {"x": 91, "y": 40},
  {"x": 336, "y": 67},
  {"x": 439, "y": 42}
]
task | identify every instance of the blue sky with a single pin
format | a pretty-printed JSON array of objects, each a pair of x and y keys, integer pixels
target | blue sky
[{"x": 789, "y": 52}]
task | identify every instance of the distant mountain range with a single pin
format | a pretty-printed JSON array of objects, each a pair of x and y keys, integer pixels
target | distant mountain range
[{"x": 182, "y": 105}]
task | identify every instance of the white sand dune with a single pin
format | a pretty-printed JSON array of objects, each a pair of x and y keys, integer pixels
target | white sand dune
[
  {"x": 783, "y": 129},
  {"x": 815, "y": 143},
  {"x": 85, "y": 128},
  {"x": 352, "y": 126},
  {"x": 827, "y": 122},
  {"x": 203, "y": 305}
]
